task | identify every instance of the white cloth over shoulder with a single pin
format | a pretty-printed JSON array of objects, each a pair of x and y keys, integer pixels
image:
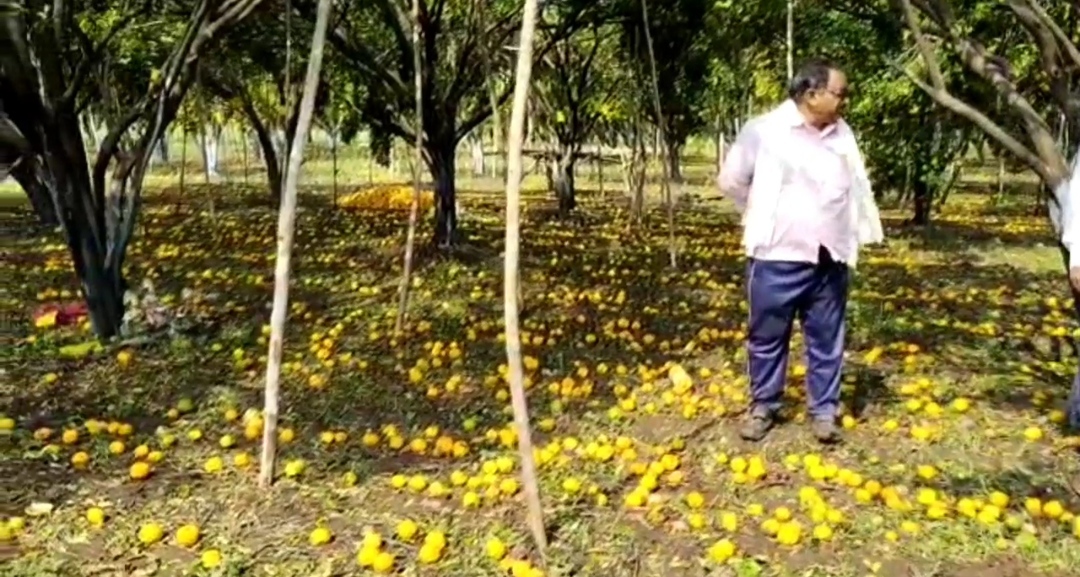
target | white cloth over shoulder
[
  {"x": 752, "y": 175},
  {"x": 1063, "y": 217}
]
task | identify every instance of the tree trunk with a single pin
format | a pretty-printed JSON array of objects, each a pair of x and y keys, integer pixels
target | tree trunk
[
  {"x": 90, "y": 131},
  {"x": 563, "y": 180},
  {"x": 36, "y": 191},
  {"x": 255, "y": 145},
  {"x": 103, "y": 285},
  {"x": 209, "y": 139},
  {"x": 160, "y": 154},
  {"x": 266, "y": 146},
  {"x": 923, "y": 198},
  {"x": 476, "y": 148},
  {"x": 440, "y": 161},
  {"x": 637, "y": 170},
  {"x": 674, "y": 160}
]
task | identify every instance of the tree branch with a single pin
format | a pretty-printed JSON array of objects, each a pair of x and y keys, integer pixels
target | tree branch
[
  {"x": 933, "y": 68},
  {"x": 1063, "y": 39},
  {"x": 366, "y": 60},
  {"x": 566, "y": 28},
  {"x": 91, "y": 57}
]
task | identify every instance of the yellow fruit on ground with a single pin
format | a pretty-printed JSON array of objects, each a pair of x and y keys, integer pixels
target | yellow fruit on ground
[
  {"x": 823, "y": 532},
  {"x": 187, "y": 535},
  {"x": 417, "y": 483},
  {"x": 150, "y": 533},
  {"x": 366, "y": 556},
  {"x": 495, "y": 548},
  {"x": 695, "y": 500},
  {"x": 999, "y": 499},
  {"x": 508, "y": 486},
  {"x": 789, "y": 533},
  {"x": 372, "y": 540},
  {"x": 320, "y": 536},
  {"x": 96, "y": 516},
  {"x": 139, "y": 471},
  {"x": 384, "y": 562},
  {"x": 80, "y": 460},
  {"x": 721, "y": 551},
  {"x": 213, "y": 465},
  {"x": 430, "y": 553},
  {"x": 435, "y": 539},
  {"x": 1053, "y": 509},
  {"x": 210, "y": 558},
  {"x": 470, "y": 500},
  {"x": 407, "y": 530},
  {"x": 242, "y": 459},
  {"x": 294, "y": 468},
  {"x": 116, "y": 447}
]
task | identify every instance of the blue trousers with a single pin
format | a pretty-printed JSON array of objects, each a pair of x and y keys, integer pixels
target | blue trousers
[{"x": 778, "y": 292}]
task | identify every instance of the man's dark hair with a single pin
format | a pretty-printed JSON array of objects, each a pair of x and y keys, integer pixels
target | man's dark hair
[{"x": 811, "y": 75}]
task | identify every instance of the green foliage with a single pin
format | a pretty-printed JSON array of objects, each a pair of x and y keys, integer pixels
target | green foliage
[
  {"x": 576, "y": 86},
  {"x": 682, "y": 55}
]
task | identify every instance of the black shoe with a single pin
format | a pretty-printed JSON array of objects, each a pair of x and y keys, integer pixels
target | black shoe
[
  {"x": 826, "y": 431},
  {"x": 757, "y": 426}
]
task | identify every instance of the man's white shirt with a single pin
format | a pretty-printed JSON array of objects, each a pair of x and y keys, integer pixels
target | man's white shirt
[{"x": 1064, "y": 217}]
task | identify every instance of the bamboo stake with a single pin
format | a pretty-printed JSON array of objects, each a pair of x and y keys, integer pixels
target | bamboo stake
[
  {"x": 410, "y": 236},
  {"x": 286, "y": 228},
  {"x": 511, "y": 278}
]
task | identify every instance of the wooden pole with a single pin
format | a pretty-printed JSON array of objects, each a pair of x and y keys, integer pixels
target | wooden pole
[
  {"x": 666, "y": 183},
  {"x": 286, "y": 228},
  {"x": 414, "y": 209},
  {"x": 511, "y": 278}
]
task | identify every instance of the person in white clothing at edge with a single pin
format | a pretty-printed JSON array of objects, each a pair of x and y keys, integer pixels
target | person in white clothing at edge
[
  {"x": 798, "y": 178},
  {"x": 1067, "y": 225}
]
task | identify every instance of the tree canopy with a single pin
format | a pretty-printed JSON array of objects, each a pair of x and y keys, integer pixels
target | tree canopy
[{"x": 933, "y": 81}]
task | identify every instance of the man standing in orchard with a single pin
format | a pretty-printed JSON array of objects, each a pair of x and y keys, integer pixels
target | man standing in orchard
[
  {"x": 798, "y": 178},
  {"x": 1065, "y": 219}
]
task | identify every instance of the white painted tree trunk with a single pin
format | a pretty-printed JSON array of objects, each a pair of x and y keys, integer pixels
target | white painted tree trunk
[
  {"x": 790, "y": 39},
  {"x": 286, "y": 228},
  {"x": 476, "y": 149},
  {"x": 211, "y": 141}
]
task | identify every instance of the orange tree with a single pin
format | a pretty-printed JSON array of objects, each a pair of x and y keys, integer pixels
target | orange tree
[{"x": 55, "y": 60}]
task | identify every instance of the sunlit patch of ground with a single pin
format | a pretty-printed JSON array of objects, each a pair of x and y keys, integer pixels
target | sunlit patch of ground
[{"x": 954, "y": 462}]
